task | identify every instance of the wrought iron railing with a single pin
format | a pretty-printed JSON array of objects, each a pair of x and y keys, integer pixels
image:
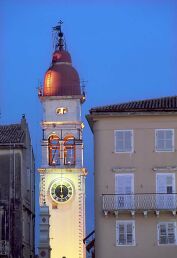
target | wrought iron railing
[{"x": 144, "y": 202}]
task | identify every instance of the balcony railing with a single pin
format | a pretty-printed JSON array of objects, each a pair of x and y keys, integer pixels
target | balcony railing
[{"x": 139, "y": 202}]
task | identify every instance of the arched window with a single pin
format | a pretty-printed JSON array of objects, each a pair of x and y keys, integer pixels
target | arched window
[
  {"x": 69, "y": 150},
  {"x": 54, "y": 150}
]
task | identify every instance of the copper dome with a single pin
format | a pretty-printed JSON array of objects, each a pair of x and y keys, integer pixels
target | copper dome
[
  {"x": 61, "y": 79},
  {"x": 61, "y": 56}
]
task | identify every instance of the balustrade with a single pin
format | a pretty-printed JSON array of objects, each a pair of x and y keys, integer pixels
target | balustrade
[{"x": 142, "y": 202}]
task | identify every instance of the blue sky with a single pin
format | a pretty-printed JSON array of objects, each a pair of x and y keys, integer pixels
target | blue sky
[{"x": 125, "y": 50}]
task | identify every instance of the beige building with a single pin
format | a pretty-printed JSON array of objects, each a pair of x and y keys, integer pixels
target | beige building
[{"x": 135, "y": 151}]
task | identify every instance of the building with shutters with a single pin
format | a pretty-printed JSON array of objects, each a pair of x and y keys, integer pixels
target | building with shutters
[
  {"x": 17, "y": 211},
  {"x": 135, "y": 150}
]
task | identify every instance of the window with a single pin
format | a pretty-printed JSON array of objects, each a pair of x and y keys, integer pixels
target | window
[
  {"x": 125, "y": 233},
  {"x": 3, "y": 228},
  {"x": 61, "y": 110},
  {"x": 165, "y": 189},
  {"x": 166, "y": 233},
  {"x": 69, "y": 150},
  {"x": 54, "y": 150},
  {"x": 124, "y": 141},
  {"x": 164, "y": 139},
  {"x": 124, "y": 189}
]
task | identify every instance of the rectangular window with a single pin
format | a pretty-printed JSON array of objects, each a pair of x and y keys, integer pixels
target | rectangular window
[
  {"x": 124, "y": 190},
  {"x": 124, "y": 141},
  {"x": 165, "y": 189},
  {"x": 125, "y": 233},
  {"x": 164, "y": 139},
  {"x": 2, "y": 224},
  {"x": 166, "y": 233}
]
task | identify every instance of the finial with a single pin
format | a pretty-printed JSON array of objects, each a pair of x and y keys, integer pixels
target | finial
[
  {"x": 83, "y": 86},
  {"x": 83, "y": 82},
  {"x": 60, "y": 42}
]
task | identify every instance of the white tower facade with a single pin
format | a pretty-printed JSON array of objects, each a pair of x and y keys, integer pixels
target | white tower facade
[{"x": 62, "y": 175}]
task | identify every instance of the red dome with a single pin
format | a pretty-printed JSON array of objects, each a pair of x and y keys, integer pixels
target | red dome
[
  {"x": 61, "y": 79},
  {"x": 61, "y": 56}
]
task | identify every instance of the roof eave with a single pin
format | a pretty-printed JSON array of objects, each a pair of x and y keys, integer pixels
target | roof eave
[
  {"x": 91, "y": 118},
  {"x": 12, "y": 145}
]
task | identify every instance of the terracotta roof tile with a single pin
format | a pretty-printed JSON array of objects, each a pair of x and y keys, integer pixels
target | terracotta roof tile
[
  {"x": 164, "y": 104},
  {"x": 11, "y": 133}
]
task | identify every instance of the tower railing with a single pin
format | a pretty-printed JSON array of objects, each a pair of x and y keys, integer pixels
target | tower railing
[{"x": 139, "y": 201}]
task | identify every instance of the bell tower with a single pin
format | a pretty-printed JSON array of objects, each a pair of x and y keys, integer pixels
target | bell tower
[{"x": 62, "y": 175}]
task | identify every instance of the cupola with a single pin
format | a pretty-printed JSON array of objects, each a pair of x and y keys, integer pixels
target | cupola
[{"x": 61, "y": 79}]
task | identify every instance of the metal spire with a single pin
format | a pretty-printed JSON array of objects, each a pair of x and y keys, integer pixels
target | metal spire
[{"x": 60, "y": 41}]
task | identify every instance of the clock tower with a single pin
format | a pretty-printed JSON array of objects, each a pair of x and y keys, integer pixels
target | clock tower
[{"x": 62, "y": 175}]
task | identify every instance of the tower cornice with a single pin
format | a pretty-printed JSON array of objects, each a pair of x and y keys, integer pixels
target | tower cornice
[
  {"x": 55, "y": 170},
  {"x": 44, "y": 98}
]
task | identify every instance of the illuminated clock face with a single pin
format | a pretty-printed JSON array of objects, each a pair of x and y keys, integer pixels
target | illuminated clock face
[{"x": 61, "y": 191}]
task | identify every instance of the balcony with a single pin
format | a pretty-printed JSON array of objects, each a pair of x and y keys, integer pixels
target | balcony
[{"x": 139, "y": 202}]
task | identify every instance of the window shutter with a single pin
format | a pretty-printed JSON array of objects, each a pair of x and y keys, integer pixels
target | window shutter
[
  {"x": 119, "y": 141},
  {"x": 128, "y": 184},
  {"x": 167, "y": 233},
  {"x": 158, "y": 233},
  {"x": 124, "y": 184},
  {"x": 125, "y": 232},
  {"x": 120, "y": 184},
  {"x": 166, "y": 183},
  {"x": 169, "y": 179},
  {"x": 171, "y": 233},
  {"x": 131, "y": 140},
  {"x": 161, "y": 183},
  {"x": 160, "y": 140},
  {"x": 127, "y": 141},
  {"x": 123, "y": 140},
  {"x": 117, "y": 184},
  {"x": 169, "y": 183},
  {"x": 129, "y": 234},
  {"x": 164, "y": 140},
  {"x": 162, "y": 234},
  {"x": 169, "y": 139},
  {"x": 122, "y": 239},
  {"x": 157, "y": 140},
  {"x": 117, "y": 233},
  {"x": 173, "y": 142}
]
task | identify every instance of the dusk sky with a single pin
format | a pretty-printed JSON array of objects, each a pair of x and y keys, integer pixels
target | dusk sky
[{"x": 124, "y": 50}]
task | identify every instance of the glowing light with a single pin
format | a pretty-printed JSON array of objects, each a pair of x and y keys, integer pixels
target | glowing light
[
  {"x": 61, "y": 110},
  {"x": 48, "y": 79},
  {"x": 83, "y": 171},
  {"x": 61, "y": 123}
]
